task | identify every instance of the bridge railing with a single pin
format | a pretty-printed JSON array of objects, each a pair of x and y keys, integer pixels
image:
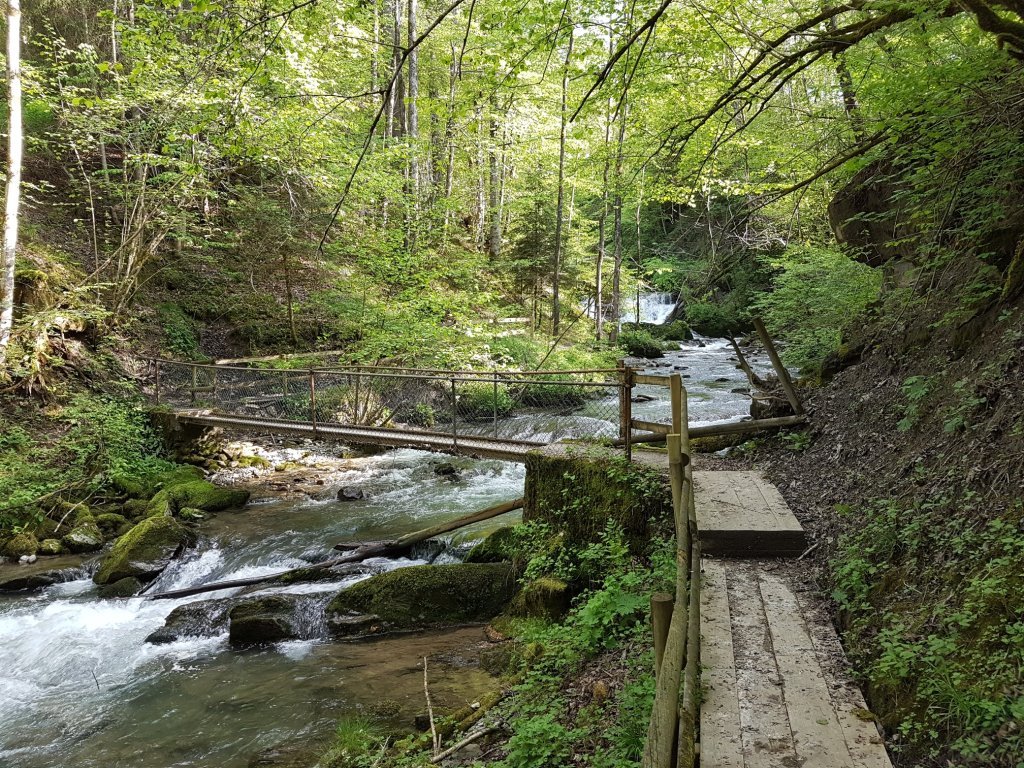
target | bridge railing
[{"x": 509, "y": 406}]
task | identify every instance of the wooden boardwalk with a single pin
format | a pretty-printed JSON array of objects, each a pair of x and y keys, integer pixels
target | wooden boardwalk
[
  {"x": 776, "y": 692},
  {"x": 461, "y": 445}
]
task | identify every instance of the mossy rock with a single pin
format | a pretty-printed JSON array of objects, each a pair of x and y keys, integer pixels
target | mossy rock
[
  {"x": 197, "y": 494},
  {"x": 261, "y": 621},
  {"x": 51, "y": 547},
  {"x": 128, "y": 587},
  {"x": 579, "y": 491},
  {"x": 502, "y": 546},
  {"x": 135, "y": 509},
  {"x": 21, "y": 544},
  {"x": 86, "y": 536},
  {"x": 428, "y": 595},
  {"x": 204, "y": 618},
  {"x": 43, "y": 528},
  {"x": 113, "y": 524},
  {"x": 543, "y": 598},
  {"x": 146, "y": 486},
  {"x": 144, "y": 551},
  {"x": 257, "y": 462}
]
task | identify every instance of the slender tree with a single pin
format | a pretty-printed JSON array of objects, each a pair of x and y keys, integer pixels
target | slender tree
[
  {"x": 556, "y": 316},
  {"x": 14, "y": 147}
]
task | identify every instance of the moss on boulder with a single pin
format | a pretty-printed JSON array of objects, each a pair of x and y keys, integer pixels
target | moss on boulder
[
  {"x": 543, "y": 598},
  {"x": 50, "y": 547},
  {"x": 145, "y": 486},
  {"x": 196, "y": 494},
  {"x": 113, "y": 525},
  {"x": 427, "y": 595},
  {"x": 128, "y": 587},
  {"x": 578, "y": 491},
  {"x": 500, "y": 546},
  {"x": 21, "y": 544},
  {"x": 144, "y": 551},
  {"x": 86, "y": 536}
]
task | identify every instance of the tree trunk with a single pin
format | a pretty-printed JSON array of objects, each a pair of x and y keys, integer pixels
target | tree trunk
[
  {"x": 481, "y": 181},
  {"x": 617, "y": 225},
  {"x": 413, "y": 124},
  {"x": 494, "y": 237},
  {"x": 602, "y": 223},
  {"x": 560, "y": 205},
  {"x": 14, "y": 147}
]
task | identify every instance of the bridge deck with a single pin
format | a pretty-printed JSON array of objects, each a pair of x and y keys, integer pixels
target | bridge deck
[
  {"x": 476, "y": 447},
  {"x": 776, "y": 693}
]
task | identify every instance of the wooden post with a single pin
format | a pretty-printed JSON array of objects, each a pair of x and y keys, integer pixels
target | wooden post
[
  {"x": 687, "y": 754},
  {"x": 195, "y": 384},
  {"x": 312, "y": 399},
  {"x": 627, "y": 408},
  {"x": 661, "y": 617},
  {"x": 780, "y": 369},
  {"x": 623, "y": 394},
  {"x": 284, "y": 383},
  {"x": 213, "y": 387},
  {"x": 675, "y": 383},
  {"x": 156, "y": 384}
]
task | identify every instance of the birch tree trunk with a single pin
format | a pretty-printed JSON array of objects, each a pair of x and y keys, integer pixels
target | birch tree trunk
[
  {"x": 14, "y": 147},
  {"x": 556, "y": 316},
  {"x": 413, "y": 123}
]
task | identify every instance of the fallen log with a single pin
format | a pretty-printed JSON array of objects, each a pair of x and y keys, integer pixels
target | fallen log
[
  {"x": 724, "y": 428},
  {"x": 355, "y": 553}
]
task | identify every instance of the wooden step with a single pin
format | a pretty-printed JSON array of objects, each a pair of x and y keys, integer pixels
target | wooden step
[
  {"x": 741, "y": 514},
  {"x": 776, "y": 689}
]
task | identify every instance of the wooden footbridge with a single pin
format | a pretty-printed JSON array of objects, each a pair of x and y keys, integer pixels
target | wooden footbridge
[{"x": 495, "y": 414}]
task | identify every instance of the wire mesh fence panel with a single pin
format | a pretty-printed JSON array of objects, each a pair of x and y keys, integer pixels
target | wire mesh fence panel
[{"x": 503, "y": 406}]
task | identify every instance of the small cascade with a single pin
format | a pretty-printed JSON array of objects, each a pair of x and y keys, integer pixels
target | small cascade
[{"x": 654, "y": 308}]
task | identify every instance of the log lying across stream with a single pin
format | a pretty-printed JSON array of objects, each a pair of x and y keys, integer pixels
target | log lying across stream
[{"x": 354, "y": 553}]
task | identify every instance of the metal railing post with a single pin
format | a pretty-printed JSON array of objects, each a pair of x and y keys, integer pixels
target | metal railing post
[
  {"x": 355, "y": 406},
  {"x": 455, "y": 415},
  {"x": 195, "y": 384},
  {"x": 156, "y": 384},
  {"x": 312, "y": 399},
  {"x": 495, "y": 431}
]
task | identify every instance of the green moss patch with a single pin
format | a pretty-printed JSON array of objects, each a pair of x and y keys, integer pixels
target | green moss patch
[
  {"x": 144, "y": 551},
  {"x": 429, "y": 595},
  {"x": 196, "y": 494}
]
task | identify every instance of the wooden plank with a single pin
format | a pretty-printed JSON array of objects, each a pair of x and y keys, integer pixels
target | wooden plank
[
  {"x": 819, "y": 737},
  {"x": 867, "y": 748},
  {"x": 720, "y": 743},
  {"x": 741, "y": 514},
  {"x": 651, "y": 426},
  {"x": 764, "y": 721},
  {"x": 651, "y": 380}
]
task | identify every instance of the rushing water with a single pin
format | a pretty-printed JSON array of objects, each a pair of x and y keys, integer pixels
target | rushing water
[{"x": 80, "y": 687}]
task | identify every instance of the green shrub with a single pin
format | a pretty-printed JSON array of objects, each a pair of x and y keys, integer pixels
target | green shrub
[
  {"x": 482, "y": 399},
  {"x": 641, "y": 343},
  {"x": 714, "y": 319},
  {"x": 181, "y": 332},
  {"x": 815, "y": 295}
]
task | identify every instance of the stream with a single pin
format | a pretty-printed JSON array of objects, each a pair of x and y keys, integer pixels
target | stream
[{"x": 80, "y": 687}]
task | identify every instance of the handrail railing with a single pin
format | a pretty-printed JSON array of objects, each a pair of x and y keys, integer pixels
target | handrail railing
[{"x": 672, "y": 732}]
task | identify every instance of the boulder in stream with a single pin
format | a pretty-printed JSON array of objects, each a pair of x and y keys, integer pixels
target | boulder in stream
[
  {"x": 86, "y": 536},
  {"x": 426, "y": 596},
  {"x": 349, "y": 493},
  {"x": 128, "y": 587},
  {"x": 145, "y": 550},
  {"x": 196, "y": 494},
  {"x": 21, "y": 544},
  {"x": 262, "y": 620}
]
